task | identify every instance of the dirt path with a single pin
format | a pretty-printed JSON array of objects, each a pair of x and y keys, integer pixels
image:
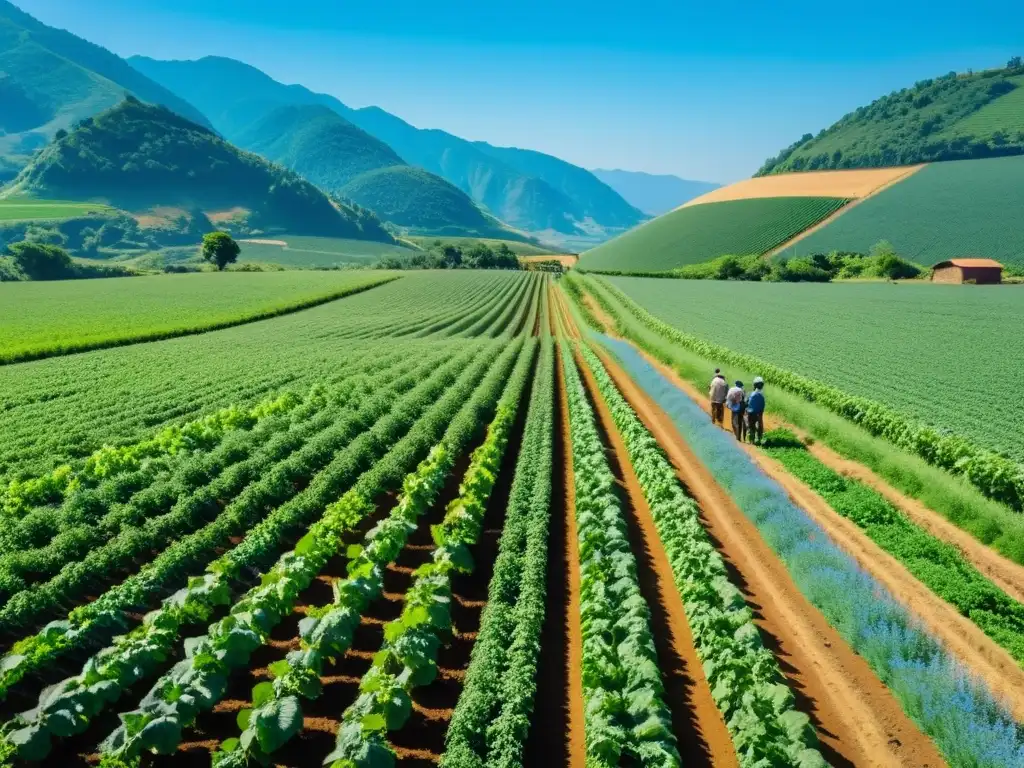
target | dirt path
[
  {"x": 961, "y": 636},
  {"x": 1005, "y": 574},
  {"x": 858, "y": 721},
  {"x": 697, "y": 723},
  {"x": 556, "y": 733}
]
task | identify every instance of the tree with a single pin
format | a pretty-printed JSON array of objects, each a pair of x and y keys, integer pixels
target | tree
[
  {"x": 41, "y": 261},
  {"x": 221, "y": 249},
  {"x": 1015, "y": 63}
]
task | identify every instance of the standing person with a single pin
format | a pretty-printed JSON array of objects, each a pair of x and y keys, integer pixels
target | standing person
[
  {"x": 755, "y": 411},
  {"x": 719, "y": 389},
  {"x": 736, "y": 400}
]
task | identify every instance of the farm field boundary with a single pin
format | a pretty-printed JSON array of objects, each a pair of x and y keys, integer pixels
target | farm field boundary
[
  {"x": 997, "y": 477},
  {"x": 896, "y": 179},
  {"x": 12, "y": 352}
]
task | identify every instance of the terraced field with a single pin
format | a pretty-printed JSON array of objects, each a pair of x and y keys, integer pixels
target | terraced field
[
  {"x": 962, "y": 208},
  {"x": 435, "y": 523},
  {"x": 697, "y": 233}
]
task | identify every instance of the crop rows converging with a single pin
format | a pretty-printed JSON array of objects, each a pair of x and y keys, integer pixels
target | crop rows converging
[{"x": 434, "y": 524}]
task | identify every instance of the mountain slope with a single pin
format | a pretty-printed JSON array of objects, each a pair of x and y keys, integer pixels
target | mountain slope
[
  {"x": 234, "y": 95},
  {"x": 593, "y": 198},
  {"x": 654, "y": 194},
  {"x": 412, "y": 197},
  {"x": 137, "y": 157},
  {"x": 317, "y": 143},
  {"x": 54, "y": 79},
  {"x": 952, "y": 117}
]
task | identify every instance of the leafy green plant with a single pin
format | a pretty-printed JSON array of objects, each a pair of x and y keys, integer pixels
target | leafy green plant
[
  {"x": 625, "y": 716},
  {"x": 746, "y": 684},
  {"x": 491, "y": 720}
]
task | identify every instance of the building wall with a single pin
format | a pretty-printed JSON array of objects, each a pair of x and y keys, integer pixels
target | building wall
[
  {"x": 948, "y": 275},
  {"x": 982, "y": 275}
]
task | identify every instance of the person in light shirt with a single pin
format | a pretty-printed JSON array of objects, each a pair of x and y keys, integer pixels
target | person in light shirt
[
  {"x": 736, "y": 400},
  {"x": 719, "y": 389}
]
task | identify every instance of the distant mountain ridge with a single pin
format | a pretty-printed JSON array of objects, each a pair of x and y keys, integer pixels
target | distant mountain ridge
[
  {"x": 341, "y": 158},
  {"x": 142, "y": 157},
  {"x": 529, "y": 190},
  {"x": 952, "y": 117},
  {"x": 653, "y": 194},
  {"x": 50, "y": 79}
]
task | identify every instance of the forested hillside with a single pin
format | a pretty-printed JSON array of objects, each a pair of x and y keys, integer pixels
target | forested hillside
[
  {"x": 137, "y": 156},
  {"x": 318, "y": 144},
  {"x": 953, "y": 117},
  {"x": 234, "y": 95},
  {"x": 50, "y": 78}
]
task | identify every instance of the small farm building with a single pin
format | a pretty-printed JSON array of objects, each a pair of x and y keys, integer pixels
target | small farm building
[{"x": 980, "y": 271}]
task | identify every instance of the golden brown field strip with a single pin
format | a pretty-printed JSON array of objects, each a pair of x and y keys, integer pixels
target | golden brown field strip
[{"x": 853, "y": 185}]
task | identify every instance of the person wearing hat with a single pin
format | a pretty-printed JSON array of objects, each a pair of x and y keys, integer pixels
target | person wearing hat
[
  {"x": 719, "y": 389},
  {"x": 755, "y": 412},
  {"x": 737, "y": 402}
]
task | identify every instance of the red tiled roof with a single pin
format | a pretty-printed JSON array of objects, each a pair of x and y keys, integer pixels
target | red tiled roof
[{"x": 970, "y": 263}]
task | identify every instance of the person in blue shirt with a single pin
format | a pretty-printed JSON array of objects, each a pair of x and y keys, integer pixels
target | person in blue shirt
[{"x": 755, "y": 412}]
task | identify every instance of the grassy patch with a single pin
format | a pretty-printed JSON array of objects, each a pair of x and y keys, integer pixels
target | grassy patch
[
  {"x": 316, "y": 252},
  {"x": 46, "y": 210},
  {"x": 43, "y": 319}
]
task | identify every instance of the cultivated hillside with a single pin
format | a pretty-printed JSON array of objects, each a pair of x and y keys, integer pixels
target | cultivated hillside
[
  {"x": 965, "y": 208},
  {"x": 49, "y": 79},
  {"x": 317, "y": 143},
  {"x": 952, "y": 117},
  {"x": 413, "y": 198},
  {"x": 137, "y": 157},
  {"x": 233, "y": 95},
  {"x": 654, "y": 194}
]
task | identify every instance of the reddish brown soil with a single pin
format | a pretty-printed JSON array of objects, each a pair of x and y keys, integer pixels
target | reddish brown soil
[
  {"x": 858, "y": 720},
  {"x": 963, "y": 638},
  {"x": 556, "y": 733},
  {"x": 700, "y": 730}
]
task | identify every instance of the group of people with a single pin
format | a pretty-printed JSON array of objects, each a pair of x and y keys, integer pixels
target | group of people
[{"x": 747, "y": 412}]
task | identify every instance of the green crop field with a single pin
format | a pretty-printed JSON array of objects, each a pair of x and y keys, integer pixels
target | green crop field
[
  {"x": 45, "y": 210},
  {"x": 699, "y": 233},
  {"x": 958, "y": 208},
  {"x": 40, "y": 319},
  {"x": 944, "y": 354},
  {"x": 1004, "y": 115},
  {"x": 314, "y": 252}
]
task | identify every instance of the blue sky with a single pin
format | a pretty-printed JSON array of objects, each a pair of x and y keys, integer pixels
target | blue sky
[{"x": 704, "y": 90}]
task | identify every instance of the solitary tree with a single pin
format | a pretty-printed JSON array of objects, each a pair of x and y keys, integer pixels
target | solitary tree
[{"x": 220, "y": 248}]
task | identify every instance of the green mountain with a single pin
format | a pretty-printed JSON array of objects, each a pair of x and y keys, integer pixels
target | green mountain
[
  {"x": 140, "y": 157},
  {"x": 653, "y": 194},
  {"x": 342, "y": 159},
  {"x": 551, "y": 197},
  {"x": 425, "y": 203},
  {"x": 50, "y": 79},
  {"x": 318, "y": 144},
  {"x": 953, "y": 117}
]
